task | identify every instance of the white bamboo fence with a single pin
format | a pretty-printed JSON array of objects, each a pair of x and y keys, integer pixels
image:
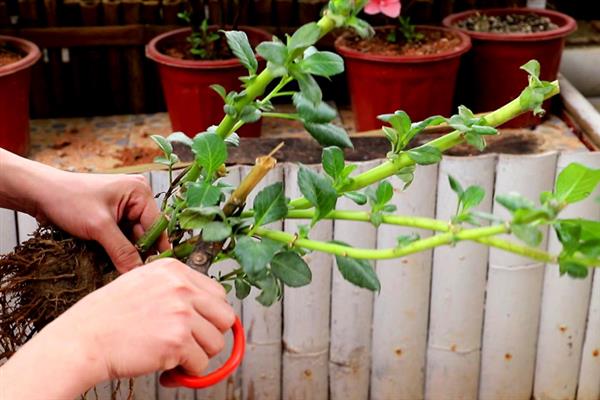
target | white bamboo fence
[{"x": 458, "y": 322}]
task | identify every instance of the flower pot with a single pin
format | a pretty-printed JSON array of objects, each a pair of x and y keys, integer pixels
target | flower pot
[
  {"x": 15, "y": 80},
  {"x": 421, "y": 85},
  {"x": 491, "y": 73},
  {"x": 193, "y": 106}
]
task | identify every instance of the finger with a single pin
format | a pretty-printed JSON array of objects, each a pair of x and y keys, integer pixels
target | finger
[
  {"x": 215, "y": 310},
  {"x": 121, "y": 251},
  {"x": 205, "y": 283},
  {"x": 194, "y": 359},
  {"x": 207, "y": 336}
]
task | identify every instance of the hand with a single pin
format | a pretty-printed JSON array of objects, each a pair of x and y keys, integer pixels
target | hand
[{"x": 152, "y": 318}]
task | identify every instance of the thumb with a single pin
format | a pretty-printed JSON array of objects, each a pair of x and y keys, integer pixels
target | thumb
[{"x": 121, "y": 251}]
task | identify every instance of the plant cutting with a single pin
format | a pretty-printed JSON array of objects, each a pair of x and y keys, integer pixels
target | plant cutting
[
  {"x": 208, "y": 221},
  {"x": 192, "y": 59},
  {"x": 401, "y": 66},
  {"x": 503, "y": 39},
  {"x": 17, "y": 56}
]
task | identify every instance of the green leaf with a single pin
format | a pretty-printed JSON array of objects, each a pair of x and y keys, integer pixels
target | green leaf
[
  {"x": 190, "y": 218},
  {"x": 291, "y": 269},
  {"x": 529, "y": 234},
  {"x": 323, "y": 63},
  {"x": 210, "y": 151},
  {"x": 163, "y": 144},
  {"x": 329, "y": 134},
  {"x": 308, "y": 86},
  {"x": 240, "y": 47},
  {"x": 425, "y": 155},
  {"x": 472, "y": 197},
  {"x": 253, "y": 255},
  {"x": 405, "y": 240},
  {"x": 333, "y": 161},
  {"x": 384, "y": 192},
  {"x": 399, "y": 120},
  {"x": 311, "y": 112},
  {"x": 576, "y": 182},
  {"x": 590, "y": 248},
  {"x": 250, "y": 113},
  {"x": 455, "y": 186},
  {"x": 357, "y": 197},
  {"x": 358, "y": 272},
  {"x": 270, "y": 204},
  {"x": 242, "y": 288},
  {"x": 202, "y": 194},
  {"x": 275, "y": 52},
  {"x": 180, "y": 137},
  {"x": 406, "y": 175},
  {"x": 590, "y": 230},
  {"x": 532, "y": 67},
  {"x": 216, "y": 231},
  {"x": 305, "y": 36},
  {"x": 318, "y": 191},
  {"x": 475, "y": 140},
  {"x": 220, "y": 90},
  {"x": 514, "y": 202},
  {"x": 572, "y": 268},
  {"x": 270, "y": 291}
]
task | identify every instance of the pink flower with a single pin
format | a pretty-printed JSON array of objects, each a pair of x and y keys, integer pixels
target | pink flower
[{"x": 391, "y": 8}]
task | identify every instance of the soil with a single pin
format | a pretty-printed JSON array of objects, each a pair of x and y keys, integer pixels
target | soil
[
  {"x": 137, "y": 155},
  {"x": 218, "y": 50},
  {"x": 508, "y": 23},
  {"x": 9, "y": 55},
  {"x": 433, "y": 42}
]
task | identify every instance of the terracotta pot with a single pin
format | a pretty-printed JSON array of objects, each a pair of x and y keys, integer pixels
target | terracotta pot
[
  {"x": 490, "y": 73},
  {"x": 193, "y": 106},
  {"x": 420, "y": 85},
  {"x": 15, "y": 81}
]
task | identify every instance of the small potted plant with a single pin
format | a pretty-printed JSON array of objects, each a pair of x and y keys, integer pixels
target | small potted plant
[
  {"x": 194, "y": 64},
  {"x": 17, "y": 56},
  {"x": 503, "y": 39},
  {"x": 400, "y": 66}
]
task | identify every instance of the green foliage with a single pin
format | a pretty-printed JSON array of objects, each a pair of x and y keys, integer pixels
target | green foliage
[
  {"x": 318, "y": 190},
  {"x": 200, "y": 194},
  {"x": 240, "y": 47},
  {"x": 291, "y": 269},
  {"x": 305, "y": 36},
  {"x": 472, "y": 128},
  {"x": 200, "y": 39},
  {"x": 425, "y": 155},
  {"x": 406, "y": 30},
  {"x": 575, "y": 183},
  {"x": 323, "y": 63},
  {"x": 210, "y": 152},
  {"x": 270, "y": 205},
  {"x": 379, "y": 199},
  {"x": 254, "y": 255},
  {"x": 533, "y": 96},
  {"x": 358, "y": 272},
  {"x": 467, "y": 200},
  {"x": 402, "y": 130}
]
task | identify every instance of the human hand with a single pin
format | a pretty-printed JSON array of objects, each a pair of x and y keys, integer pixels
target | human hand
[{"x": 152, "y": 318}]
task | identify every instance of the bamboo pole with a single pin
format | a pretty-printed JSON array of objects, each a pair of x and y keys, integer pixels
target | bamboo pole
[
  {"x": 457, "y": 290},
  {"x": 261, "y": 369},
  {"x": 306, "y": 350},
  {"x": 565, "y": 304},
  {"x": 514, "y": 290},
  {"x": 351, "y": 314},
  {"x": 401, "y": 311}
]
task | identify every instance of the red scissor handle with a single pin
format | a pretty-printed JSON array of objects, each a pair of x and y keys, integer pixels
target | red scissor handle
[{"x": 176, "y": 377}]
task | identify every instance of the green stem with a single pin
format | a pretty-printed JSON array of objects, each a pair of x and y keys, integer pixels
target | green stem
[
  {"x": 152, "y": 234},
  {"x": 275, "y": 92},
  {"x": 294, "y": 117},
  {"x": 391, "y": 167}
]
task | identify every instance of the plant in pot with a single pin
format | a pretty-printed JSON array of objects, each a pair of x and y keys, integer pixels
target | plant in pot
[
  {"x": 17, "y": 56},
  {"x": 192, "y": 63},
  {"x": 400, "y": 66},
  {"x": 503, "y": 39},
  {"x": 208, "y": 221}
]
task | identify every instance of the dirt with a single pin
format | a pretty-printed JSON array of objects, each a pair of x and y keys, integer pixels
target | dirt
[
  {"x": 218, "y": 50},
  {"x": 433, "y": 42},
  {"x": 137, "y": 155},
  {"x": 509, "y": 23},
  {"x": 9, "y": 55}
]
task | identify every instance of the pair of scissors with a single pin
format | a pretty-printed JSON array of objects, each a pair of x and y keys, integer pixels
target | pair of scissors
[{"x": 176, "y": 376}]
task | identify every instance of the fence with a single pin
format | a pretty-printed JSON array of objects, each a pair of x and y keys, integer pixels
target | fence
[{"x": 460, "y": 322}]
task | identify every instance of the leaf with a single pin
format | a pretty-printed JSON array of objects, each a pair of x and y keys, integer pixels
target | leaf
[
  {"x": 308, "y": 86},
  {"x": 220, "y": 90},
  {"x": 455, "y": 186},
  {"x": 311, "y": 112},
  {"x": 590, "y": 230},
  {"x": 475, "y": 140},
  {"x": 240, "y": 47},
  {"x": 250, "y": 113},
  {"x": 163, "y": 144},
  {"x": 576, "y": 182},
  {"x": 399, "y": 120},
  {"x": 210, "y": 151},
  {"x": 528, "y": 234},
  {"x": 180, "y": 137},
  {"x": 357, "y": 197},
  {"x": 270, "y": 204},
  {"x": 329, "y": 134},
  {"x": 233, "y": 140},
  {"x": 514, "y": 202},
  {"x": 532, "y": 67},
  {"x": 191, "y": 219},
  {"x": 291, "y": 269},
  {"x": 333, "y": 161},
  {"x": 572, "y": 268},
  {"x": 275, "y": 52},
  {"x": 425, "y": 155},
  {"x": 216, "y": 231},
  {"x": 358, "y": 272},
  {"x": 472, "y": 197},
  {"x": 202, "y": 194},
  {"x": 405, "y": 240},
  {"x": 318, "y": 191},
  {"x": 323, "y": 63},
  {"x": 253, "y": 255},
  {"x": 269, "y": 292},
  {"x": 384, "y": 192},
  {"x": 406, "y": 175},
  {"x": 305, "y": 36},
  {"x": 242, "y": 288}
]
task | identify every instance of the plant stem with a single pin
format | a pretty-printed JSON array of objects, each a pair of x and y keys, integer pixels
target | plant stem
[
  {"x": 294, "y": 117},
  {"x": 391, "y": 167}
]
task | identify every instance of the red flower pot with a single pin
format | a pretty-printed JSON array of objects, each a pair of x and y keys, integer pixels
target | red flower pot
[
  {"x": 491, "y": 73},
  {"x": 193, "y": 106},
  {"x": 420, "y": 85},
  {"x": 15, "y": 80}
]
